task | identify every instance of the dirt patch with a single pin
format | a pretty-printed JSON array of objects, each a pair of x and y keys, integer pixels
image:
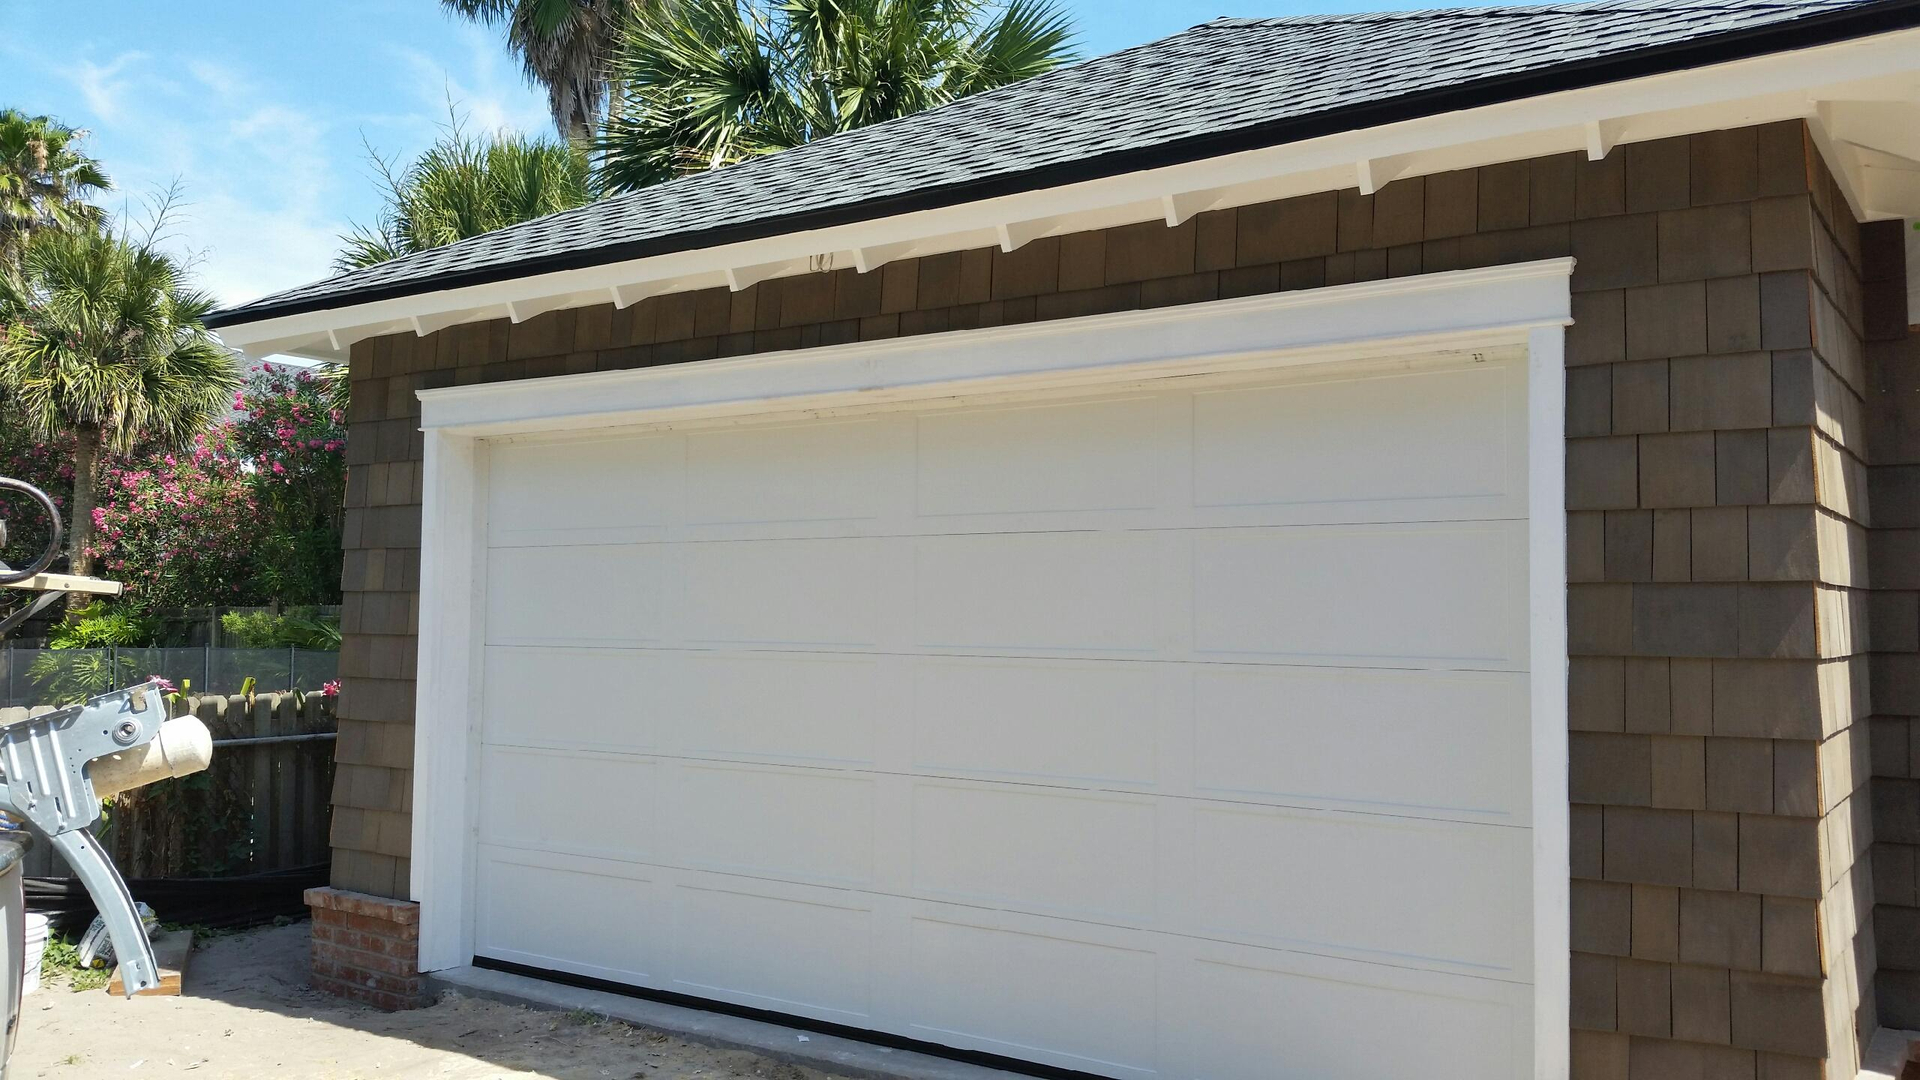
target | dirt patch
[{"x": 248, "y": 1013}]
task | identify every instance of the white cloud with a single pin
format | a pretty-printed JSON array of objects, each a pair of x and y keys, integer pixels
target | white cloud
[
  {"x": 258, "y": 175},
  {"x": 270, "y": 169},
  {"x": 490, "y": 94},
  {"x": 103, "y": 86},
  {"x": 219, "y": 78}
]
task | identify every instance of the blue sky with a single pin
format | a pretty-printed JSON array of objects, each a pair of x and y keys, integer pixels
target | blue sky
[{"x": 259, "y": 108}]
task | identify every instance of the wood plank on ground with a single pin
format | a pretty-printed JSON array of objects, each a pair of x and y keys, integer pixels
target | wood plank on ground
[{"x": 170, "y": 949}]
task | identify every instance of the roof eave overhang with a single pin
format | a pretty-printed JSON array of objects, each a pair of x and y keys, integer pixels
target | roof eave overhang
[{"x": 1860, "y": 97}]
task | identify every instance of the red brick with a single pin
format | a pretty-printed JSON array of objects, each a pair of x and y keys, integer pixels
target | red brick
[{"x": 342, "y": 901}]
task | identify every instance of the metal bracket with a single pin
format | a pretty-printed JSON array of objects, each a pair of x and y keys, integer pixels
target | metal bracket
[
  {"x": 45, "y": 758},
  {"x": 139, "y": 969}
]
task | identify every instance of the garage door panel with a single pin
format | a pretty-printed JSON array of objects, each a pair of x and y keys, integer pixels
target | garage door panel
[
  {"x": 1076, "y": 854},
  {"x": 607, "y": 594},
  {"x": 1417, "y": 438},
  {"x": 1272, "y": 1016},
  {"x": 786, "y": 473},
  {"x": 550, "y": 493},
  {"x": 772, "y": 949},
  {"x": 1041, "y": 459},
  {"x": 599, "y": 691},
  {"x": 549, "y": 800},
  {"x": 1368, "y": 885},
  {"x": 1079, "y": 722},
  {"x": 1030, "y": 591},
  {"x": 517, "y": 916},
  {"x": 1391, "y": 594},
  {"x": 1080, "y": 1003},
  {"x": 768, "y": 706},
  {"x": 1176, "y": 730},
  {"x": 787, "y": 823},
  {"x": 1441, "y": 744},
  {"x": 781, "y": 592}
]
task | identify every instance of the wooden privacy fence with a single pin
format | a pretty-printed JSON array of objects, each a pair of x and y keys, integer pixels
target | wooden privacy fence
[{"x": 262, "y": 805}]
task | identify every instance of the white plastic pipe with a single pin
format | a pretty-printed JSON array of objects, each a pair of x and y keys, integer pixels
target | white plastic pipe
[{"x": 183, "y": 746}]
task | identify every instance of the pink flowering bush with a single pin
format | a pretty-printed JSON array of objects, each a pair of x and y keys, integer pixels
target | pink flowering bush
[
  {"x": 296, "y": 445},
  {"x": 179, "y": 529},
  {"x": 249, "y": 514}
]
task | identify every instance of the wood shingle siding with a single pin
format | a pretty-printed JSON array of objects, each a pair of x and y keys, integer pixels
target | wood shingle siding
[{"x": 1718, "y": 392}]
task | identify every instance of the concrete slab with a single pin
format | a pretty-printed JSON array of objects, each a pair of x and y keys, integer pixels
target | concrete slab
[{"x": 849, "y": 1057}]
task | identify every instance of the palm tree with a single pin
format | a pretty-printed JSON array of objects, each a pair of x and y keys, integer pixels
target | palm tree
[
  {"x": 563, "y": 45},
  {"x": 466, "y": 186},
  {"x": 103, "y": 340},
  {"x": 44, "y": 180},
  {"x": 699, "y": 84}
]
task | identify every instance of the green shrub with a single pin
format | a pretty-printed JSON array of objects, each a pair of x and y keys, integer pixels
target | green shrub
[
  {"x": 100, "y": 625},
  {"x": 299, "y": 628}
]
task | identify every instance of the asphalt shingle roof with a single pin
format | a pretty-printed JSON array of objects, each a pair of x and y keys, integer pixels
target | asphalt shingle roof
[{"x": 1226, "y": 85}]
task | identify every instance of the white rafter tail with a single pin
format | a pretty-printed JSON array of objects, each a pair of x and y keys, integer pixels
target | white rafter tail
[
  {"x": 1372, "y": 174},
  {"x": 742, "y": 278},
  {"x": 868, "y": 259},
  {"x": 1886, "y": 188},
  {"x": 343, "y": 338},
  {"x": 1015, "y": 235},
  {"x": 1179, "y": 208},
  {"x": 1602, "y": 137},
  {"x": 520, "y": 311},
  {"x": 1890, "y": 127},
  {"x": 428, "y": 324},
  {"x": 625, "y": 296}
]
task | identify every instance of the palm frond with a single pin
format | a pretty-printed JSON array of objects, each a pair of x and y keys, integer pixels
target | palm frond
[
  {"x": 701, "y": 84},
  {"x": 107, "y": 337},
  {"x": 45, "y": 180},
  {"x": 463, "y": 186},
  {"x": 562, "y": 45}
]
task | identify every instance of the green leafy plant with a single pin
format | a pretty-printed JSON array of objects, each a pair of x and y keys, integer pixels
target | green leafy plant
[
  {"x": 45, "y": 180},
  {"x": 698, "y": 84},
  {"x": 63, "y": 958},
  {"x": 62, "y": 676},
  {"x": 104, "y": 342},
  {"x": 299, "y": 628},
  {"x": 563, "y": 44},
  {"x": 464, "y": 186},
  {"x": 100, "y": 625}
]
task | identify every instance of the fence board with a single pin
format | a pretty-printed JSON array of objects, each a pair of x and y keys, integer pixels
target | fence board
[{"x": 256, "y": 808}]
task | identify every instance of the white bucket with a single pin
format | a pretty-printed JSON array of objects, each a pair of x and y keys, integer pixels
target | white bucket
[{"x": 34, "y": 948}]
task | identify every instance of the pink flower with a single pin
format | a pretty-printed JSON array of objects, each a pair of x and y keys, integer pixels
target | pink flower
[{"x": 331, "y": 689}]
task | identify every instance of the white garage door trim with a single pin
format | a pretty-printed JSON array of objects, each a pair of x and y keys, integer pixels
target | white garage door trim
[{"x": 1526, "y": 305}]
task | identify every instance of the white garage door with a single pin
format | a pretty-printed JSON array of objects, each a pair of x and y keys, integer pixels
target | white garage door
[{"x": 1176, "y": 731}]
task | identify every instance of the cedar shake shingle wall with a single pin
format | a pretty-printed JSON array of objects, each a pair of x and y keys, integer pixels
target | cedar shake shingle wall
[
  {"x": 1893, "y": 548},
  {"x": 1716, "y": 538}
]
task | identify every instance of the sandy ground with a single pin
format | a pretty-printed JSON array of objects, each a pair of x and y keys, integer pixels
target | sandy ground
[{"x": 247, "y": 1012}]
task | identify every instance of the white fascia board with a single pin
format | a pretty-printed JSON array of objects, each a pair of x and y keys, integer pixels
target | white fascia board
[
  {"x": 1741, "y": 93},
  {"x": 1462, "y": 309}
]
